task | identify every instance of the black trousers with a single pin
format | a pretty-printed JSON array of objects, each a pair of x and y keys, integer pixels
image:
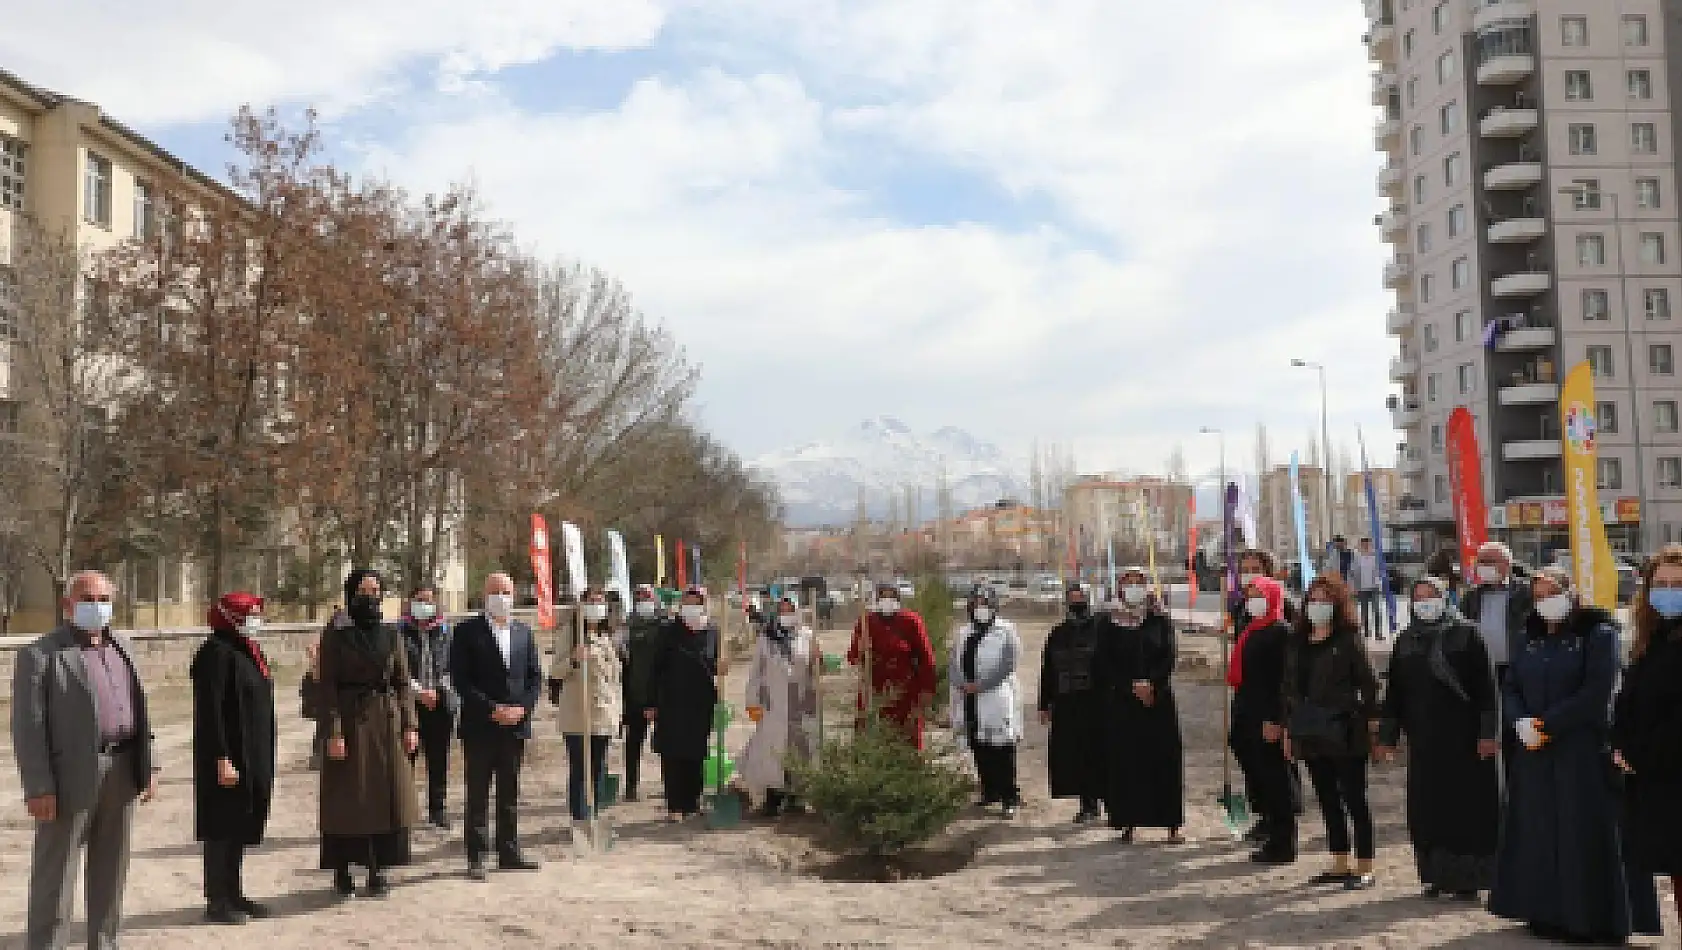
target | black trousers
[
  {"x": 995, "y": 765},
  {"x": 437, "y": 730},
  {"x": 636, "y": 735},
  {"x": 682, "y": 780},
  {"x": 493, "y": 757},
  {"x": 1268, "y": 783},
  {"x": 1340, "y": 783},
  {"x": 224, "y": 863}
]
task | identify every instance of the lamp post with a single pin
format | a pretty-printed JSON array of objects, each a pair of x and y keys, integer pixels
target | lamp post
[
  {"x": 1579, "y": 193},
  {"x": 1325, "y": 449}
]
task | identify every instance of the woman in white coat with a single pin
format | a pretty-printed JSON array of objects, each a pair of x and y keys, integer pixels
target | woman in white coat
[
  {"x": 782, "y": 701},
  {"x": 590, "y": 706},
  {"x": 986, "y": 699}
]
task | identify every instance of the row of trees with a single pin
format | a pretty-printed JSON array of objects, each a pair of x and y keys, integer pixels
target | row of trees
[{"x": 307, "y": 360}]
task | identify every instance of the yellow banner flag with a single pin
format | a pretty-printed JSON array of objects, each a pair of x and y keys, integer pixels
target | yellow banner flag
[
  {"x": 1592, "y": 567},
  {"x": 659, "y": 561}
]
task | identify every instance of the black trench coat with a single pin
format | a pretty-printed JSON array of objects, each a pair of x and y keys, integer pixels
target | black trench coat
[{"x": 233, "y": 718}]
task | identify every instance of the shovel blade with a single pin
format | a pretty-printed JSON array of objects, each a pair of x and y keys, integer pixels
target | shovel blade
[
  {"x": 724, "y": 810},
  {"x": 1235, "y": 812}
]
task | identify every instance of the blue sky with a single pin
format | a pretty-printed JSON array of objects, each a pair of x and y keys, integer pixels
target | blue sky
[{"x": 1073, "y": 220}]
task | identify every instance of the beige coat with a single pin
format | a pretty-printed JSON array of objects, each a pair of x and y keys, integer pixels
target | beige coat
[{"x": 605, "y": 691}]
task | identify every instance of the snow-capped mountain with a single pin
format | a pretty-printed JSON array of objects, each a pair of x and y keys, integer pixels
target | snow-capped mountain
[{"x": 820, "y": 481}]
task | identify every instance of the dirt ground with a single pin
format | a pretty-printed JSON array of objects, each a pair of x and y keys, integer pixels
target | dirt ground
[{"x": 1036, "y": 882}]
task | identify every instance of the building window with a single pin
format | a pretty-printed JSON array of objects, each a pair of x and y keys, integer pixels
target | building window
[
  {"x": 1578, "y": 87},
  {"x": 1647, "y": 193},
  {"x": 1445, "y": 67},
  {"x": 1660, "y": 361},
  {"x": 1635, "y": 30},
  {"x": 1596, "y": 305},
  {"x": 1609, "y": 474},
  {"x": 1448, "y": 117},
  {"x": 1407, "y": 44},
  {"x": 1591, "y": 250},
  {"x": 1462, "y": 326},
  {"x": 1665, "y": 417},
  {"x": 1465, "y": 378},
  {"x": 1419, "y": 189},
  {"x": 1460, "y": 273},
  {"x": 8, "y": 308},
  {"x": 1416, "y": 140},
  {"x": 1574, "y": 30},
  {"x": 1413, "y": 91},
  {"x": 1670, "y": 472},
  {"x": 145, "y": 211},
  {"x": 1436, "y": 440},
  {"x": 13, "y": 157},
  {"x": 1581, "y": 135},
  {"x": 10, "y": 411},
  {"x": 1439, "y": 488},
  {"x": 1600, "y": 361},
  {"x": 1652, "y": 249},
  {"x": 1432, "y": 384},
  {"x": 1606, "y": 417},
  {"x": 96, "y": 191},
  {"x": 1585, "y": 194},
  {"x": 1641, "y": 84},
  {"x": 1430, "y": 333},
  {"x": 1422, "y": 238},
  {"x": 1451, "y": 170},
  {"x": 1439, "y": 17},
  {"x": 1656, "y": 302},
  {"x": 1644, "y": 138},
  {"x": 1456, "y": 221},
  {"x": 1427, "y": 288}
]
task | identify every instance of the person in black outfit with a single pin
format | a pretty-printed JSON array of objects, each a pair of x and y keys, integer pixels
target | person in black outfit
[
  {"x": 1144, "y": 754},
  {"x": 495, "y": 669},
  {"x": 426, "y": 637},
  {"x": 642, "y": 638},
  {"x": 1331, "y": 700},
  {"x": 1072, "y": 704},
  {"x": 1256, "y": 674},
  {"x": 233, "y": 752},
  {"x": 684, "y": 692},
  {"x": 1254, "y": 563}
]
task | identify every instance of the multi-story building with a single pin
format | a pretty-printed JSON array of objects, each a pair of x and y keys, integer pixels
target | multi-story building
[
  {"x": 1276, "y": 522},
  {"x": 1533, "y": 207},
  {"x": 1133, "y": 513}
]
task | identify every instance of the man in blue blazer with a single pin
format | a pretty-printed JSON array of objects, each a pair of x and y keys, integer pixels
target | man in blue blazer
[{"x": 498, "y": 676}]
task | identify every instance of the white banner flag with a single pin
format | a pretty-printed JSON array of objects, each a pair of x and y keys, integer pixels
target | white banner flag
[
  {"x": 620, "y": 572},
  {"x": 572, "y": 544}
]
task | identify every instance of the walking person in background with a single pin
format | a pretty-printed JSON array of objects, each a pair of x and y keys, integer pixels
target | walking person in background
[
  {"x": 1647, "y": 723},
  {"x": 234, "y": 741},
  {"x": 84, "y": 750},
  {"x": 642, "y": 637},
  {"x": 1562, "y": 868},
  {"x": 782, "y": 702},
  {"x": 684, "y": 691},
  {"x": 1441, "y": 697},
  {"x": 1363, "y": 578},
  {"x": 495, "y": 668},
  {"x": 1331, "y": 698},
  {"x": 902, "y": 665},
  {"x": 588, "y": 707},
  {"x": 367, "y": 801},
  {"x": 426, "y": 638},
  {"x": 987, "y": 699},
  {"x": 1144, "y": 757},
  {"x": 1339, "y": 559},
  {"x": 1256, "y": 674},
  {"x": 1072, "y": 704}
]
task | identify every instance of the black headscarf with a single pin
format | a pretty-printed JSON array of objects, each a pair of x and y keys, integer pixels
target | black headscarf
[{"x": 366, "y": 633}]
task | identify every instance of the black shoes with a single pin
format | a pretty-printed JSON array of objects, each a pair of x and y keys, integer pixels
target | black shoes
[
  {"x": 224, "y": 914},
  {"x": 1331, "y": 877},
  {"x": 1085, "y": 815},
  {"x": 515, "y": 861},
  {"x": 250, "y": 908},
  {"x": 1257, "y": 833},
  {"x": 342, "y": 883},
  {"x": 378, "y": 886},
  {"x": 1360, "y": 882},
  {"x": 1009, "y": 812},
  {"x": 439, "y": 820},
  {"x": 476, "y": 870}
]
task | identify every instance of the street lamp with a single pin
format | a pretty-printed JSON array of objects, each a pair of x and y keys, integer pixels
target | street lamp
[
  {"x": 1579, "y": 193},
  {"x": 1325, "y": 448}
]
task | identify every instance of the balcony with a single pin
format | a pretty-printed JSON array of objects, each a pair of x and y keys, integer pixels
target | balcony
[
  {"x": 1403, "y": 368},
  {"x": 1513, "y": 176},
  {"x": 1389, "y": 181},
  {"x": 1527, "y": 338},
  {"x": 1525, "y": 283},
  {"x": 1487, "y": 13},
  {"x": 1528, "y": 449},
  {"x": 1405, "y": 415},
  {"x": 1384, "y": 85},
  {"x": 1504, "y": 123},
  {"x": 1504, "y": 70},
  {"x": 1387, "y": 134},
  {"x": 1518, "y": 230},
  {"x": 1393, "y": 224},
  {"x": 1528, "y": 394},
  {"x": 1399, "y": 321},
  {"x": 1410, "y": 464},
  {"x": 1381, "y": 41},
  {"x": 1397, "y": 271}
]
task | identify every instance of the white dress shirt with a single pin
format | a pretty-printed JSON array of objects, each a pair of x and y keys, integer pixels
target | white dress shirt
[{"x": 504, "y": 639}]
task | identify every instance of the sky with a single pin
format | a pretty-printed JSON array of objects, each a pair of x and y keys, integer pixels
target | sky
[{"x": 1102, "y": 223}]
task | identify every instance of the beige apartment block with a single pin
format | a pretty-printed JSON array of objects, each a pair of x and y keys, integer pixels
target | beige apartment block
[{"x": 1531, "y": 197}]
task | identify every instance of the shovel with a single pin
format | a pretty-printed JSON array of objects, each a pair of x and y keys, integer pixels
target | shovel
[
  {"x": 724, "y": 807},
  {"x": 1235, "y": 808},
  {"x": 597, "y": 834}
]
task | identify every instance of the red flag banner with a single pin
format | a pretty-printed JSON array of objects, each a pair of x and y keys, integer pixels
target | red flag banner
[
  {"x": 542, "y": 570},
  {"x": 682, "y": 567},
  {"x": 1465, "y": 479}
]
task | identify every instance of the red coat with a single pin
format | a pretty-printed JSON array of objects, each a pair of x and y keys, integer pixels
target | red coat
[{"x": 903, "y": 673}]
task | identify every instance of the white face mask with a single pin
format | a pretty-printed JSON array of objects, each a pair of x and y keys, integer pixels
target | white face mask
[
  {"x": 421, "y": 610},
  {"x": 595, "y": 613},
  {"x": 1319, "y": 612},
  {"x": 1256, "y": 607},
  {"x": 645, "y": 608},
  {"x": 499, "y": 605},
  {"x": 252, "y": 626},
  {"x": 1488, "y": 573},
  {"x": 887, "y": 606},
  {"x": 91, "y": 616},
  {"x": 693, "y": 614},
  {"x": 1430, "y": 609},
  {"x": 1554, "y": 609},
  {"x": 1133, "y": 595},
  {"x": 982, "y": 614},
  {"x": 788, "y": 621}
]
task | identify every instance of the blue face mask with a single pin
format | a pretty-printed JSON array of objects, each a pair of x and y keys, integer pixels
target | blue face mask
[{"x": 1667, "y": 601}]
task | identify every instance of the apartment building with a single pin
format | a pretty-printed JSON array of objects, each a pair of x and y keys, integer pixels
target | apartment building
[
  {"x": 1530, "y": 169},
  {"x": 1131, "y": 512}
]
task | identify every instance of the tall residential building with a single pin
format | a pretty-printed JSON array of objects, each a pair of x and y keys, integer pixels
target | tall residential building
[
  {"x": 1531, "y": 173},
  {"x": 1276, "y": 522}
]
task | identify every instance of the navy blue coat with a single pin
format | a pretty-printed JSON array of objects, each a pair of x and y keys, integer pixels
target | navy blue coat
[{"x": 483, "y": 681}]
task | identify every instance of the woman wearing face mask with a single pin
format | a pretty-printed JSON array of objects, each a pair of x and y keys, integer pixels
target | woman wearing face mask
[
  {"x": 1136, "y": 655},
  {"x": 1647, "y": 723},
  {"x": 1562, "y": 867},
  {"x": 233, "y": 752},
  {"x": 986, "y": 700},
  {"x": 368, "y": 801},
  {"x": 587, "y": 707},
  {"x": 1073, "y": 706},
  {"x": 1256, "y": 674},
  {"x": 642, "y": 638},
  {"x": 1441, "y": 696},
  {"x": 782, "y": 703},
  {"x": 683, "y": 691},
  {"x": 1331, "y": 695}
]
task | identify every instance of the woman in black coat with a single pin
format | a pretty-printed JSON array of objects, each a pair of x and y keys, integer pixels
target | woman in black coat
[
  {"x": 1071, "y": 703},
  {"x": 233, "y": 752},
  {"x": 1136, "y": 654},
  {"x": 684, "y": 690},
  {"x": 1256, "y": 673},
  {"x": 1647, "y": 723}
]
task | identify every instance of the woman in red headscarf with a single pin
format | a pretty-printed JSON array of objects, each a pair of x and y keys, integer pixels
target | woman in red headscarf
[
  {"x": 1256, "y": 675},
  {"x": 233, "y": 752}
]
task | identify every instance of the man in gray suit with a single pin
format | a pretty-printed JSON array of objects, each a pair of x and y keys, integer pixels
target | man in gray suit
[{"x": 84, "y": 753}]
